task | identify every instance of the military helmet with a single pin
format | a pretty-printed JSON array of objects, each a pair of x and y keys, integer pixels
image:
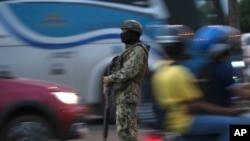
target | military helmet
[{"x": 132, "y": 25}]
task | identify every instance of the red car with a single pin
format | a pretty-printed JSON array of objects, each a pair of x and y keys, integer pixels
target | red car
[{"x": 33, "y": 109}]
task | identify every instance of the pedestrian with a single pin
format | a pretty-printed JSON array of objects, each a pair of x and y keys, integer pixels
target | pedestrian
[
  {"x": 197, "y": 47},
  {"x": 218, "y": 79},
  {"x": 126, "y": 77},
  {"x": 176, "y": 92}
]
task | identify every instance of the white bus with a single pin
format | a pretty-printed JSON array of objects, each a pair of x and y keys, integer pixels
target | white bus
[{"x": 72, "y": 41}]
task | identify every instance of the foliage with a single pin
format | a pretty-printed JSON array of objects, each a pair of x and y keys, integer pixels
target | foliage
[{"x": 244, "y": 9}]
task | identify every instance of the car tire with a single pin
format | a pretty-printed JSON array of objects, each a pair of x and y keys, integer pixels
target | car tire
[{"x": 28, "y": 128}]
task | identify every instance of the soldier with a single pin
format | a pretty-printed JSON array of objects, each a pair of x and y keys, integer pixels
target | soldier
[{"x": 127, "y": 74}]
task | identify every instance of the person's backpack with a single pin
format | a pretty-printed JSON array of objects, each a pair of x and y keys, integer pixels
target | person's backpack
[{"x": 149, "y": 113}]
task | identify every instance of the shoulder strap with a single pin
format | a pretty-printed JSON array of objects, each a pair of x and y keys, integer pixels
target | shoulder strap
[{"x": 144, "y": 47}]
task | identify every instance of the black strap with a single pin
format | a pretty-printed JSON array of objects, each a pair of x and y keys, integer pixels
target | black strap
[{"x": 144, "y": 48}]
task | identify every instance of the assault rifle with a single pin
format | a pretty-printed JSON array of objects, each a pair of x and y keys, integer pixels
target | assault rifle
[
  {"x": 106, "y": 111},
  {"x": 111, "y": 68}
]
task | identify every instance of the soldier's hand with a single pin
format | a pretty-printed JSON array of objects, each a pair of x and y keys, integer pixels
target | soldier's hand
[{"x": 105, "y": 81}]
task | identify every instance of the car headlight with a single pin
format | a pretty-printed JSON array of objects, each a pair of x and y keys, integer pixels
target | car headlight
[{"x": 67, "y": 97}]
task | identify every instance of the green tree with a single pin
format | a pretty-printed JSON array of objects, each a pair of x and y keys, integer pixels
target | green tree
[
  {"x": 233, "y": 16},
  {"x": 245, "y": 15}
]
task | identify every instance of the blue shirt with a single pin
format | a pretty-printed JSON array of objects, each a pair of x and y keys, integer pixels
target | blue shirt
[
  {"x": 223, "y": 73},
  {"x": 221, "y": 77}
]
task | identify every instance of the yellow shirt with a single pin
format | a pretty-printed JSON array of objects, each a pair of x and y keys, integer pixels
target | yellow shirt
[{"x": 172, "y": 86}]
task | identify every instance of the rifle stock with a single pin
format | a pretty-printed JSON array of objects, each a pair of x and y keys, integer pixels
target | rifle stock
[
  {"x": 114, "y": 66},
  {"x": 106, "y": 117},
  {"x": 106, "y": 110}
]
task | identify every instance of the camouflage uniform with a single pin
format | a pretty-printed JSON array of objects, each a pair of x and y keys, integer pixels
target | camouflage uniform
[{"x": 131, "y": 74}]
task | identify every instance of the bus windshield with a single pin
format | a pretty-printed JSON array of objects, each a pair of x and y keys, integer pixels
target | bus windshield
[{"x": 195, "y": 13}]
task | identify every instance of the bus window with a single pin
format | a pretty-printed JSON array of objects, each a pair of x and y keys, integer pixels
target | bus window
[
  {"x": 141, "y": 3},
  {"x": 211, "y": 11},
  {"x": 195, "y": 13}
]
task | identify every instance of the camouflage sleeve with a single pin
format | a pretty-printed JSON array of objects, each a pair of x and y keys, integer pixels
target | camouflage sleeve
[{"x": 131, "y": 66}]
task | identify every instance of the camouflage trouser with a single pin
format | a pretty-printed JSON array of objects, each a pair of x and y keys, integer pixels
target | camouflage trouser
[{"x": 126, "y": 122}]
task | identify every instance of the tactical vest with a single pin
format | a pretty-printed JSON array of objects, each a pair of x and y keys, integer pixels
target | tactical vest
[{"x": 116, "y": 65}]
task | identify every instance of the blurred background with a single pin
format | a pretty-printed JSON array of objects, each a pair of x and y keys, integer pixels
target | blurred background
[{"x": 71, "y": 43}]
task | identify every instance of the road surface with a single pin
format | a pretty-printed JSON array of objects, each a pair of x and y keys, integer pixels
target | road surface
[{"x": 96, "y": 134}]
